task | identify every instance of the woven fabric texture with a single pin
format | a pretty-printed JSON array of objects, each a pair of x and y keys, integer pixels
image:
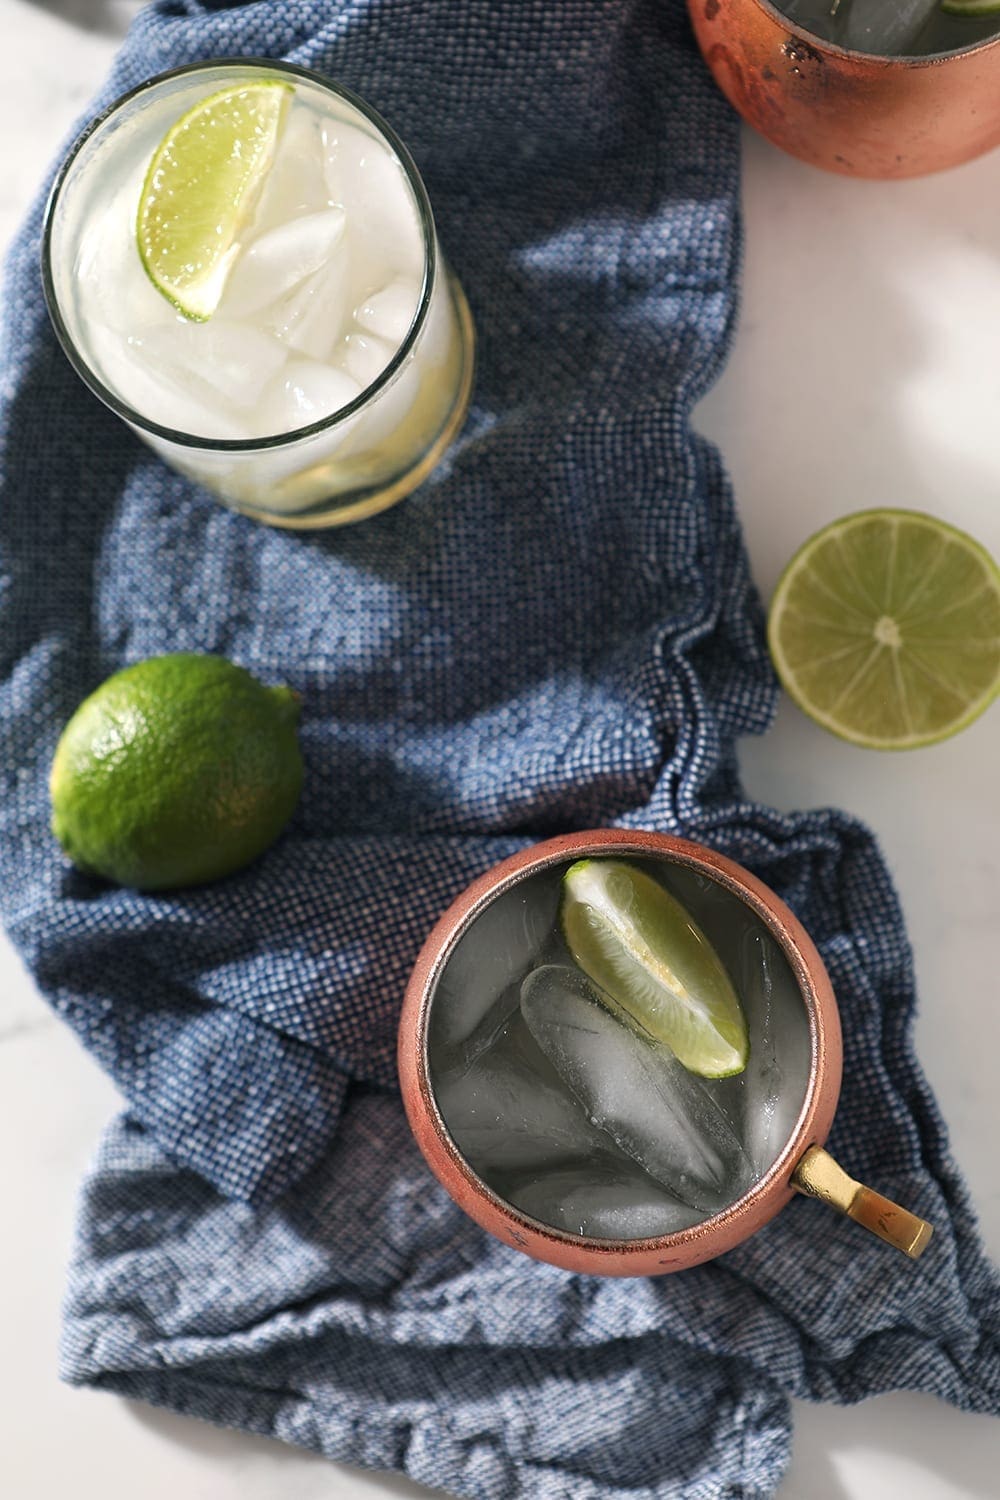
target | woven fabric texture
[{"x": 557, "y": 631}]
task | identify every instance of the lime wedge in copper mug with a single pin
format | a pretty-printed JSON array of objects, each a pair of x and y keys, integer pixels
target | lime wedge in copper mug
[{"x": 639, "y": 945}]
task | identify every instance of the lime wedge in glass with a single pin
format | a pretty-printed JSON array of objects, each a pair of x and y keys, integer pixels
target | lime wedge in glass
[
  {"x": 885, "y": 629},
  {"x": 200, "y": 189},
  {"x": 640, "y": 946}
]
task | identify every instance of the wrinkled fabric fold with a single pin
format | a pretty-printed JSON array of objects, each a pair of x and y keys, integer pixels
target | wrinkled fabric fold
[{"x": 557, "y": 631}]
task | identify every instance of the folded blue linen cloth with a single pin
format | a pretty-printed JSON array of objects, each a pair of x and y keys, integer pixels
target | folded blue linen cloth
[{"x": 557, "y": 631}]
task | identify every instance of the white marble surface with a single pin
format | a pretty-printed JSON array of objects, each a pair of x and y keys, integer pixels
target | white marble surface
[{"x": 865, "y": 372}]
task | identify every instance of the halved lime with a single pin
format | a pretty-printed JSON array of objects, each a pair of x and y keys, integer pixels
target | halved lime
[
  {"x": 643, "y": 949},
  {"x": 885, "y": 629},
  {"x": 200, "y": 190}
]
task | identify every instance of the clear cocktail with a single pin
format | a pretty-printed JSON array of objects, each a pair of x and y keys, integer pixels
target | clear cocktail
[{"x": 284, "y": 331}]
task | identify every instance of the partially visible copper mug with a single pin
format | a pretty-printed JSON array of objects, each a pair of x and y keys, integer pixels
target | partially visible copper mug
[
  {"x": 801, "y": 1164},
  {"x": 850, "y": 112}
]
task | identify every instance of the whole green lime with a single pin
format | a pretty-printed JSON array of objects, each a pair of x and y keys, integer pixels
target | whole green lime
[{"x": 176, "y": 771}]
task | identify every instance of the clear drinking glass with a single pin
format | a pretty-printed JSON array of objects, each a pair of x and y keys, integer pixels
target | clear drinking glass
[{"x": 318, "y": 470}]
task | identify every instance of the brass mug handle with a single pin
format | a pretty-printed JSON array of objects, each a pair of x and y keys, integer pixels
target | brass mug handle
[{"x": 819, "y": 1176}]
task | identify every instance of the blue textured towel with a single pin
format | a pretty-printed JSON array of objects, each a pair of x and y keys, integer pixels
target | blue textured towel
[{"x": 557, "y": 631}]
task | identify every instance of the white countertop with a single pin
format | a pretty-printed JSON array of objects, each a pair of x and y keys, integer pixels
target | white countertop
[{"x": 893, "y": 293}]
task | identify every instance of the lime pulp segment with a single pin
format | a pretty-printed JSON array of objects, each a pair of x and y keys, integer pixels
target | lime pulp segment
[
  {"x": 643, "y": 949},
  {"x": 200, "y": 190},
  {"x": 885, "y": 629}
]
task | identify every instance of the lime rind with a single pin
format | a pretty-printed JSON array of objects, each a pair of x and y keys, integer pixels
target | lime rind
[
  {"x": 195, "y": 289},
  {"x": 927, "y": 667},
  {"x": 643, "y": 949},
  {"x": 970, "y": 8}
]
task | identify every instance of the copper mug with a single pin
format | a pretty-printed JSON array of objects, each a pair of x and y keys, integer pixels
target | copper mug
[
  {"x": 802, "y": 1164},
  {"x": 850, "y": 112}
]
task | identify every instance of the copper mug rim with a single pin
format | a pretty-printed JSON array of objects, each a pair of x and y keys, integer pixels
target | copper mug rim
[{"x": 714, "y": 1235}]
